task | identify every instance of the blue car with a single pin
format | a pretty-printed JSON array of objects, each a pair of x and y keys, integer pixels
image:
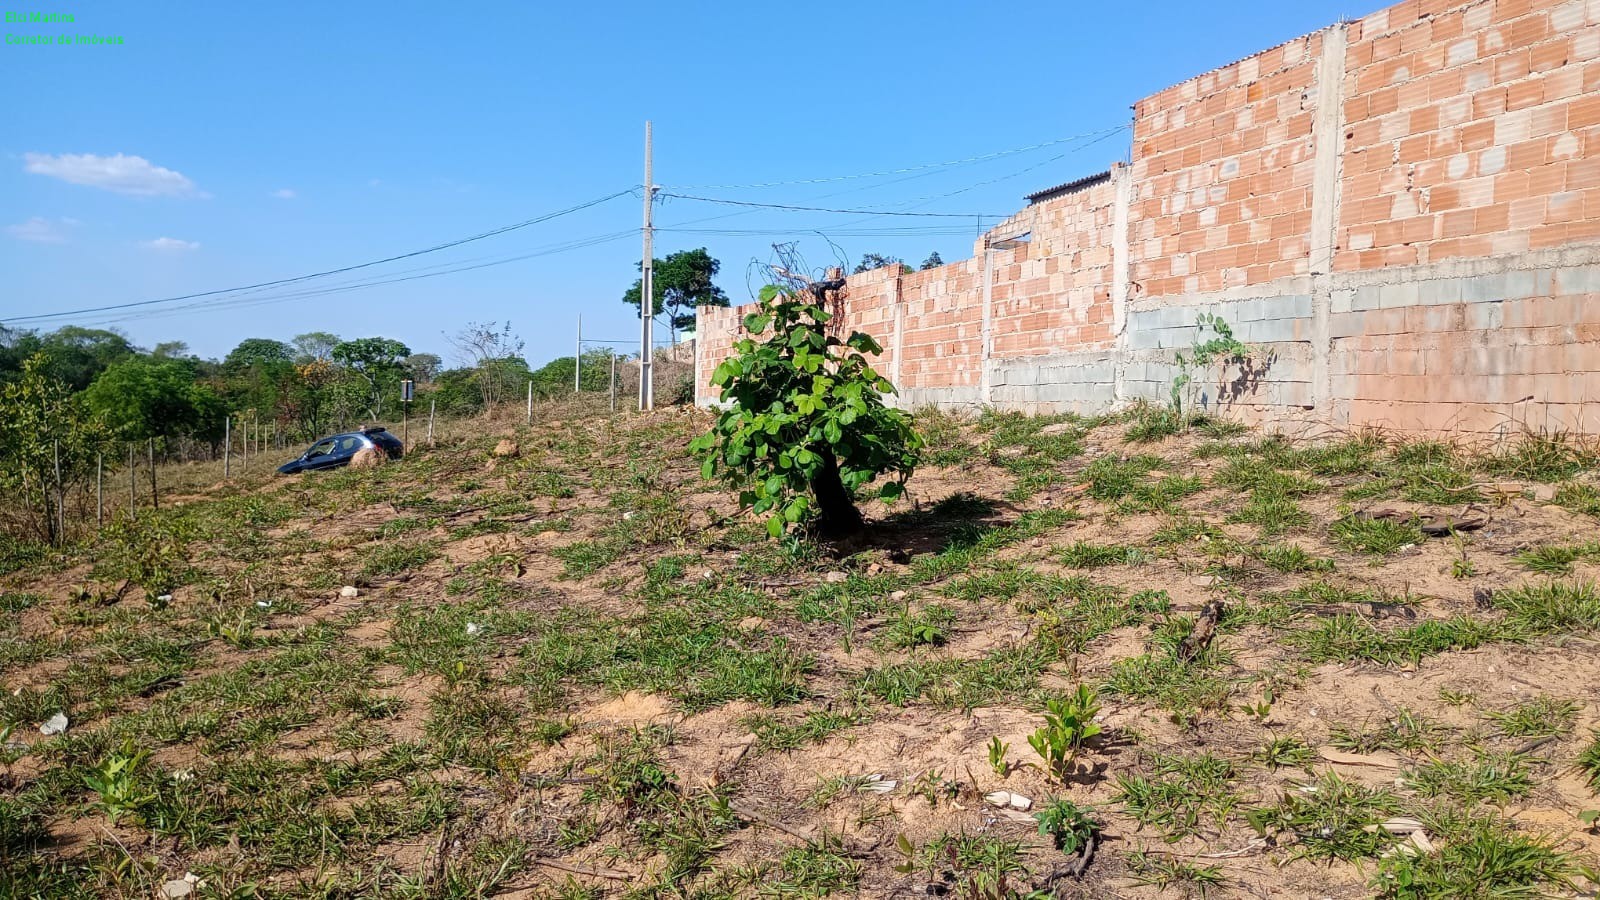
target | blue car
[{"x": 338, "y": 450}]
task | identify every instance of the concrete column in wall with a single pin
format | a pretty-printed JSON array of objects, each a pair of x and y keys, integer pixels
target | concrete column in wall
[
  {"x": 1327, "y": 131},
  {"x": 897, "y": 340},
  {"x": 1122, "y": 178},
  {"x": 986, "y": 345}
]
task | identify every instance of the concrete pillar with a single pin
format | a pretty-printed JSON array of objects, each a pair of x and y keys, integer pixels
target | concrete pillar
[
  {"x": 1122, "y": 179},
  {"x": 897, "y": 340},
  {"x": 986, "y": 344},
  {"x": 1327, "y": 131}
]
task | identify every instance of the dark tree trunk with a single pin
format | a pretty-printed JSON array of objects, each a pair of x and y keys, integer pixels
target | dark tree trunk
[{"x": 839, "y": 516}]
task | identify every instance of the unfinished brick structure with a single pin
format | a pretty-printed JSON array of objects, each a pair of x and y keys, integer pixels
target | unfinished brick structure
[{"x": 1401, "y": 213}]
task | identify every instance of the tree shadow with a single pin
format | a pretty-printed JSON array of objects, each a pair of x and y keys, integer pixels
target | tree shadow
[
  {"x": 959, "y": 520},
  {"x": 1251, "y": 372}
]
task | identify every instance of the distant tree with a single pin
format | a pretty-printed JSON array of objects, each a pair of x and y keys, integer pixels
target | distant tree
[
  {"x": 933, "y": 261},
  {"x": 314, "y": 345},
  {"x": 256, "y": 351},
  {"x": 423, "y": 367},
  {"x": 495, "y": 354},
  {"x": 681, "y": 283},
  {"x": 554, "y": 378},
  {"x": 16, "y": 346},
  {"x": 376, "y": 361},
  {"x": 873, "y": 261},
  {"x": 78, "y": 355},
  {"x": 171, "y": 350}
]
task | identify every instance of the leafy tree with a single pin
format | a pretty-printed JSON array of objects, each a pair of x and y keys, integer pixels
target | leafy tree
[
  {"x": 16, "y": 346},
  {"x": 805, "y": 418},
  {"x": 172, "y": 350},
  {"x": 933, "y": 261},
  {"x": 422, "y": 367},
  {"x": 142, "y": 397},
  {"x": 872, "y": 261},
  {"x": 314, "y": 345},
  {"x": 376, "y": 360},
  {"x": 554, "y": 378},
  {"x": 78, "y": 355},
  {"x": 43, "y": 426},
  {"x": 256, "y": 351},
  {"x": 681, "y": 283}
]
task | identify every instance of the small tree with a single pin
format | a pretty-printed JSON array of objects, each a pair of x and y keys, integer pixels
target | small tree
[
  {"x": 1202, "y": 356},
  {"x": 933, "y": 261},
  {"x": 805, "y": 418}
]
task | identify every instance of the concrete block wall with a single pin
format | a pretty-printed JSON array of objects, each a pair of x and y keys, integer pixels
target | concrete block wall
[{"x": 1401, "y": 214}]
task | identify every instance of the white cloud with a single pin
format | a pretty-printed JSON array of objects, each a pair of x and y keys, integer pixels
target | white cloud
[
  {"x": 170, "y": 245},
  {"x": 285, "y": 193},
  {"x": 40, "y": 230},
  {"x": 121, "y": 174}
]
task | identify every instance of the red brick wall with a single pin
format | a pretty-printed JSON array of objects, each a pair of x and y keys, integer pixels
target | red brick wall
[
  {"x": 1471, "y": 131},
  {"x": 1055, "y": 293},
  {"x": 1222, "y": 168},
  {"x": 1466, "y": 131}
]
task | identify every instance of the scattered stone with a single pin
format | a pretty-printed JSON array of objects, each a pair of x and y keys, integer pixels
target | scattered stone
[
  {"x": 369, "y": 458},
  {"x": 836, "y": 578},
  {"x": 507, "y": 448},
  {"x": 873, "y": 569},
  {"x": 752, "y": 623},
  {"x": 708, "y": 575},
  {"x": 1205, "y": 580},
  {"x": 1057, "y": 429},
  {"x": 877, "y": 784},
  {"x": 1006, "y": 798},
  {"x": 474, "y": 629},
  {"x": 348, "y": 592},
  {"x": 1544, "y": 493},
  {"x": 897, "y": 596},
  {"x": 177, "y": 887},
  {"x": 56, "y": 724}
]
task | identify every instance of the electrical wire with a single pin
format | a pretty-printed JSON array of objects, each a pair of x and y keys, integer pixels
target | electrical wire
[
  {"x": 983, "y": 157},
  {"x": 825, "y": 209},
  {"x": 299, "y": 278},
  {"x": 243, "y": 301}
]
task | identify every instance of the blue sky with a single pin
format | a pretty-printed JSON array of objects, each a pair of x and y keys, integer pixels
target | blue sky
[{"x": 272, "y": 140}]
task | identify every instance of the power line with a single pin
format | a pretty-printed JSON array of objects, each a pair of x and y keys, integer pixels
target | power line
[
  {"x": 246, "y": 301},
  {"x": 853, "y": 212},
  {"x": 298, "y": 278},
  {"x": 983, "y": 157}
]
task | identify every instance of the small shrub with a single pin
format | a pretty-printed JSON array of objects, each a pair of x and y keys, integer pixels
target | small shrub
[
  {"x": 1067, "y": 826},
  {"x": 1068, "y": 723}
]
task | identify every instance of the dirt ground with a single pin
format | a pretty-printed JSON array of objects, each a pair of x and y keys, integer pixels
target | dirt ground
[{"x": 566, "y": 666}]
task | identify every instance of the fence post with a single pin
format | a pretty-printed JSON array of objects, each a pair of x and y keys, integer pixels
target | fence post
[
  {"x": 530, "y": 403},
  {"x": 155, "y": 501},
  {"x": 99, "y": 488},
  {"x": 61, "y": 513},
  {"x": 431, "y": 404},
  {"x": 227, "y": 446},
  {"x": 133, "y": 487},
  {"x": 613, "y": 381}
]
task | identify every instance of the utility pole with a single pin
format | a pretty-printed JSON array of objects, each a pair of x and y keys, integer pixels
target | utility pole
[{"x": 647, "y": 292}]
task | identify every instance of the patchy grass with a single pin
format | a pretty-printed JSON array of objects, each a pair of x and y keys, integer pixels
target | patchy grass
[{"x": 585, "y": 656}]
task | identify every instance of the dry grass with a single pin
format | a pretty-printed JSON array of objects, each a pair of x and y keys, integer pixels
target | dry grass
[{"x": 576, "y": 673}]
